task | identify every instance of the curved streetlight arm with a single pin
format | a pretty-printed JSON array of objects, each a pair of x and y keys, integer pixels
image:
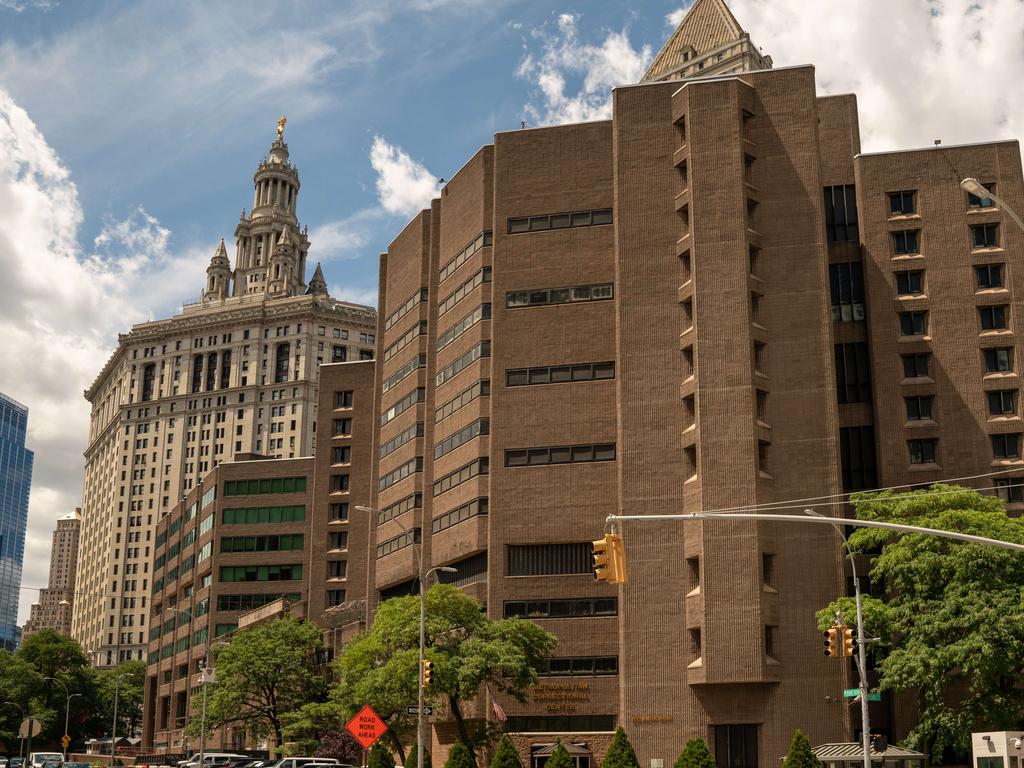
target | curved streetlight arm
[{"x": 976, "y": 188}]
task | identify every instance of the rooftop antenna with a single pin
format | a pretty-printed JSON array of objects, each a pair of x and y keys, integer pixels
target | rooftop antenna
[{"x": 522, "y": 124}]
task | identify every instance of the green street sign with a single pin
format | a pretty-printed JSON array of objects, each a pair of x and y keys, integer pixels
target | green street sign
[{"x": 852, "y": 693}]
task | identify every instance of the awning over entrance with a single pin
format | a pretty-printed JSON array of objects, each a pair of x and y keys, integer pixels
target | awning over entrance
[
  {"x": 545, "y": 750},
  {"x": 852, "y": 754}
]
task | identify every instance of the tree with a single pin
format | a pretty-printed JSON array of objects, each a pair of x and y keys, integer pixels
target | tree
[
  {"x": 341, "y": 746},
  {"x": 55, "y": 656},
  {"x": 952, "y": 615},
  {"x": 305, "y": 729},
  {"x": 128, "y": 690},
  {"x": 560, "y": 757},
  {"x": 506, "y": 755},
  {"x": 380, "y": 757},
  {"x": 800, "y": 754},
  {"x": 20, "y": 683},
  {"x": 460, "y": 756},
  {"x": 695, "y": 755},
  {"x": 620, "y": 752},
  {"x": 469, "y": 650},
  {"x": 262, "y": 673}
]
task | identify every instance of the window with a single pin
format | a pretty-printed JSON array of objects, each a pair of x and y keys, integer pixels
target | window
[
  {"x": 407, "y": 306},
  {"x": 768, "y": 569},
  {"x": 1010, "y": 490},
  {"x": 517, "y": 377},
  {"x": 281, "y": 363},
  {"x": 910, "y": 283},
  {"x": 841, "y": 213},
  {"x": 579, "y": 665},
  {"x": 338, "y": 354},
  {"x": 993, "y": 318},
  {"x": 474, "y": 282},
  {"x": 549, "y": 559},
  {"x": 1002, "y": 402},
  {"x": 261, "y": 573},
  {"x": 980, "y": 202},
  {"x": 461, "y": 475},
  {"x": 901, "y": 203},
  {"x": 922, "y": 451},
  {"x": 906, "y": 242},
  {"x": 255, "y": 515},
  {"x": 771, "y": 635},
  {"x": 249, "y": 602},
  {"x": 339, "y": 483},
  {"x": 339, "y": 512},
  {"x": 337, "y": 540},
  {"x": 479, "y": 389},
  {"x": 847, "y": 285},
  {"x": 396, "y": 475},
  {"x": 853, "y": 373},
  {"x": 412, "y": 501},
  {"x": 482, "y": 312},
  {"x": 400, "y": 343},
  {"x": 398, "y": 542},
  {"x": 998, "y": 359},
  {"x": 405, "y": 436},
  {"x": 547, "y": 296},
  {"x": 273, "y": 485},
  {"x": 275, "y": 543},
  {"x": 455, "y": 516},
  {"x": 914, "y": 323},
  {"x": 419, "y": 361},
  {"x": 985, "y": 235},
  {"x": 989, "y": 276},
  {"x": 562, "y": 609},
  {"x": 341, "y": 454},
  {"x": 559, "y": 724},
  {"x": 857, "y": 456},
  {"x": 483, "y": 349},
  {"x": 560, "y": 221},
  {"x": 918, "y": 408},
  {"x": 571, "y": 454},
  {"x": 335, "y": 597},
  {"x": 1006, "y": 446},
  {"x": 464, "y": 435},
  {"x": 483, "y": 239},
  {"x": 407, "y": 402}
]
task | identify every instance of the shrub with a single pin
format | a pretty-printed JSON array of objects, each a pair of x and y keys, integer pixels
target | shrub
[
  {"x": 620, "y": 753},
  {"x": 460, "y": 757},
  {"x": 695, "y": 755},
  {"x": 559, "y": 758},
  {"x": 800, "y": 754},
  {"x": 380, "y": 757},
  {"x": 506, "y": 756}
]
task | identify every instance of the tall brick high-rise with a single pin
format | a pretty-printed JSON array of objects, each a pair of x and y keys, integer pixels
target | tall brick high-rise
[
  {"x": 53, "y": 610},
  {"x": 235, "y": 372},
  {"x": 712, "y": 300}
]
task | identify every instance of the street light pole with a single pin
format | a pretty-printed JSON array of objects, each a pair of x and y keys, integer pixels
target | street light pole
[
  {"x": 113, "y": 727},
  {"x": 976, "y": 188},
  {"x": 67, "y": 710},
  {"x": 421, "y": 577},
  {"x": 21, "y": 739}
]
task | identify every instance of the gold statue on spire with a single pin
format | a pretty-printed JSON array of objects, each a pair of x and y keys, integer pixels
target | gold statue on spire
[{"x": 280, "y": 127}]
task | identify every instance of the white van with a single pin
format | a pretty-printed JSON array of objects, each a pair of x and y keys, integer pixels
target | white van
[
  {"x": 212, "y": 760},
  {"x": 300, "y": 762},
  {"x": 38, "y": 758}
]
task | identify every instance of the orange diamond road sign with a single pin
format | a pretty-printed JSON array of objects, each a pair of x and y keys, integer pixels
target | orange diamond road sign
[{"x": 367, "y": 727}]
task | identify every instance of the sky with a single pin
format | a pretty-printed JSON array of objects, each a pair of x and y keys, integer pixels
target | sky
[{"x": 129, "y": 133}]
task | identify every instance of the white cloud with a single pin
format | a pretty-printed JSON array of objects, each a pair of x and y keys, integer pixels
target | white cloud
[
  {"x": 20, "y": 5},
  {"x": 61, "y": 308},
  {"x": 355, "y": 295},
  {"x": 573, "y": 78},
  {"x": 676, "y": 16},
  {"x": 948, "y": 69},
  {"x": 404, "y": 186},
  {"x": 347, "y": 237}
]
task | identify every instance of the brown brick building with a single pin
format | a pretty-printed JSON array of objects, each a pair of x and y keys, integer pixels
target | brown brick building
[
  {"x": 258, "y": 538},
  {"x": 713, "y": 300}
]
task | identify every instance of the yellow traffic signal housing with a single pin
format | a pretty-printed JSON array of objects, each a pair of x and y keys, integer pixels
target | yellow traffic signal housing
[
  {"x": 610, "y": 559},
  {"x": 831, "y": 636},
  {"x": 847, "y": 641},
  {"x": 427, "y": 676}
]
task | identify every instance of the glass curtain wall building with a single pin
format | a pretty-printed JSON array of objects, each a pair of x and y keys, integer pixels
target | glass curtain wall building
[{"x": 15, "y": 481}]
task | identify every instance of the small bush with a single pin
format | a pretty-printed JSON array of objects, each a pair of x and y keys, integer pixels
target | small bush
[
  {"x": 620, "y": 753},
  {"x": 380, "y": 757},
  {"x": 506, "y": 756},
  {"x": 800, "y": 754},
  {"x": 559, "y": 758},
  {"x": 695, "y": 755},
  {"x": 460, "y": 757}
]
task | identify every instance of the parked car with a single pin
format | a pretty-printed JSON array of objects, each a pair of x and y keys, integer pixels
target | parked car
[
  {"x": 302, "y": 762},
  {"x": 16, "y": 762},
  {"x": 75, "y": 765},
  {"x": 212, "y": 760},
  {"x": 38, "y": 758}
]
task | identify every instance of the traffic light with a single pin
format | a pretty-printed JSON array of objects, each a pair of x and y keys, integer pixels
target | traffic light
[
  {"x": 831, "y": 641},
  {"x": 610, "y": 559},
  {"x": 847, "y": 641},
  {"x": 427, "y": 673}
]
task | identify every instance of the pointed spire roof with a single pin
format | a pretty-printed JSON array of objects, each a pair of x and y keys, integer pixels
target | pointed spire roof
[
  {"x": 285, "y": 238},
  {"x": 707, "y": 24},
  {"x": 220, "y": 256},
  {"x": 317, "y": 283}
]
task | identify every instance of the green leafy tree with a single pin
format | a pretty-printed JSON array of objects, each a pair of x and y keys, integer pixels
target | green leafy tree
[
  {"x": 560, "y": 757},
  {"x": 380, "y": 757},
  {"x": 506, "y": 755},
  {"x": 800, "y": 754},
  {"x": 460, "y": 756},
  {"x": 469, "y": 650},
  {"x": 20, "y": 682},
  {"x": 262, "y": 673},
  {"x": 305, "y": 728},
  {"x": 620, "y": 752},
  {"x": 695, "y": 755},
  {"x": 952, "y": 617},
  {"x": 126, "y": 682}
]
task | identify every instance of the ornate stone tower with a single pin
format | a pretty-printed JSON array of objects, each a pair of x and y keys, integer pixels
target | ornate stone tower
[
  {"x": 218, "y": 275},
  {"x": 317, "y": 284},
  {"x": 259, "y": 236}
]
